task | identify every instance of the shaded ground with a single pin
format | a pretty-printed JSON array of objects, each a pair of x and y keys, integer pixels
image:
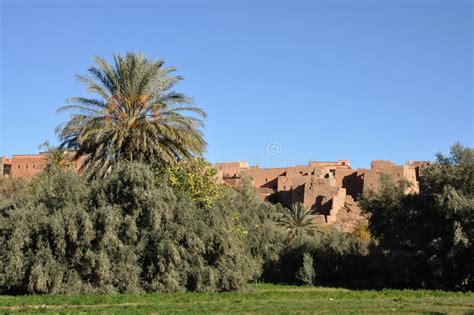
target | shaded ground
[{"x": 258, "y": 299}]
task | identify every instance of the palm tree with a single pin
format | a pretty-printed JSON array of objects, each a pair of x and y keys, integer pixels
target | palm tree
[
  {"x": 298, "y": 220},
  {"x": 136, "y": 116}
]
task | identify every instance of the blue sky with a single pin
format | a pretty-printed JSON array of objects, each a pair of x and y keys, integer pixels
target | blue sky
[{"x": 321, "y": 80}]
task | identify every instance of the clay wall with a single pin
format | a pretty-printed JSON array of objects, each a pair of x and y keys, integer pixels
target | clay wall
[
  {"x": 338, "y": 201},
  {"x": 27, "y": 165},
  {"x": 266, "y": 177},
  {"x": 318, "y": 195},
  {"x": 419, "y": 166},
  {"x": 338, "y": 163},
  {"x": 231, "y": 169},
  {"x": 329, "y": 188},
  {"x": 381, "y": 164},
  {"x": 351, "y": 180},
  {"x": 371, "y": 178}
]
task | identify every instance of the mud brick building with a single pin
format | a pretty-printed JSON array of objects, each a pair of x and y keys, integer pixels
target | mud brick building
[
  {"x": 331, "y": 189},
  {"x": 27, "y": 165}
]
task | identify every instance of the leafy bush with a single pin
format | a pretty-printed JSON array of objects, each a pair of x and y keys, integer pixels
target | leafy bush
[
  {"x": 426, "y": 239},
  {"x": 121, "y": 234},
  {"x": 254, "y": 223},
  {"x": 338, "y": 258},
  {"x": 45, "y": 237},
  {"x": 195, "y": 178},
  {"x": 138, "y": 230}
]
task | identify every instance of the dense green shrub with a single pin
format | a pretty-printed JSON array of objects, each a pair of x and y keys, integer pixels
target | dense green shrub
[
  {"x": 45, "y": 237},
  {"x": 132, "y": 231},
  {"x": 338, "y": 258},
  {"x": 11, "y": 189},
  {"x": 255, "y": 223},
  {"x": 120, "y": 234},
  {"x": 426, "y": 239}
]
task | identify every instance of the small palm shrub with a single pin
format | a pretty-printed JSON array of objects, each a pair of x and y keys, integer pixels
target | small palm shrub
[{"x": 298, "y": 221}]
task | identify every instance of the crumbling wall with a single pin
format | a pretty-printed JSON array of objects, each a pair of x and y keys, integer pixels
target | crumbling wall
[{"x": 328, "y": 188}]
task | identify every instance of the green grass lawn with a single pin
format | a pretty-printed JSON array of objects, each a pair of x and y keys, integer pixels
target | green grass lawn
[{"x": 257, "y": 299}]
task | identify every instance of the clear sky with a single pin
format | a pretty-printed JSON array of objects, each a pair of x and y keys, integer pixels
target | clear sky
[{"x": 282, "y": 82}]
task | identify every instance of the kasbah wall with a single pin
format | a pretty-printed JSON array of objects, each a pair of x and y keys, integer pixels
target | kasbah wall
[
  {"x": 330, "y": 189},
  {"x": 28, "y": 165}
]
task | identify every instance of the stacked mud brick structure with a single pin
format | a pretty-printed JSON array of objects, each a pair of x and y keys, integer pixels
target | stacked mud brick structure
[{"x": 331, "y": 189}]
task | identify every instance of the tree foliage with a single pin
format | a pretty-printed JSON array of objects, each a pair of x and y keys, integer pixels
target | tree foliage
[
  {"x": 135, "y": 116},
  {"x": 164, "y": 229},
  {"x": 427, "y": 238},
  {"x": 194, "y": 177},
  {"x": 255, "y": 223},
  {"x": 338, "y": 259},
  {"x": 120, "y": 234}
]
